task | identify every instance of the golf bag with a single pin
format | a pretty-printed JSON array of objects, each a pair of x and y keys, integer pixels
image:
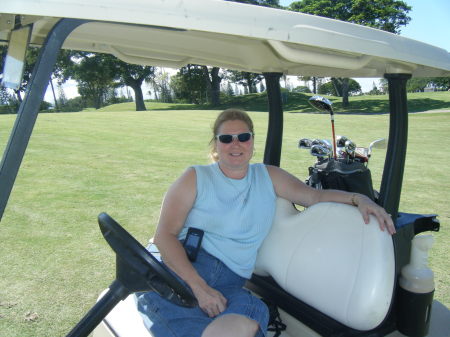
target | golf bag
[{"x": 339, "y": 175}]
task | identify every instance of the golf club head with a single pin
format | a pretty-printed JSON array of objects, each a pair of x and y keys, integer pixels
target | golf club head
[
  {"x": 320, "y": 151},
  {"x": 321, "y": 103},
  {"x": 305, "y": 143},
  {"x": 322, "y": 142},
  {"x": 340, "y": 141},
  {"x": 377, "y": 144},
  {"x": 350, "y": 147},
  {"x": 341, "y": 154}
]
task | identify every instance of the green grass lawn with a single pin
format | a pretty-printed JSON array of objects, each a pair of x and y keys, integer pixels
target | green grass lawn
[
  {"x": 298, "y": 102},
  {"x": 53, "y": 259}
]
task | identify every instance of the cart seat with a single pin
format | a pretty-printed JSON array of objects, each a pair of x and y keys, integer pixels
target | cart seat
[{"x": 327, "y": 257}]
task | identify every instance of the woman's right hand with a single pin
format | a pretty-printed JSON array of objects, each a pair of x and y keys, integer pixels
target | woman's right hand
[{"x": 211, "y": 301}]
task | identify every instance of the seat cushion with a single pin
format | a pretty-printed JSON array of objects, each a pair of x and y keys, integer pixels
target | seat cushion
[{"x": 329, "y": 258}]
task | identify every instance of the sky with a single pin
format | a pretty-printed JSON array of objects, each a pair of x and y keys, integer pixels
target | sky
[{"x": 429, "y": 23}]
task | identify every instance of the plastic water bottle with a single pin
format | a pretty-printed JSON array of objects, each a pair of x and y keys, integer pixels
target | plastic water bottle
[{"x": 415, "y": 294}]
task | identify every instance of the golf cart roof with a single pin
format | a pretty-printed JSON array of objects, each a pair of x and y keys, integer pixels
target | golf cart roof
[{"x": 228, "y": 35}]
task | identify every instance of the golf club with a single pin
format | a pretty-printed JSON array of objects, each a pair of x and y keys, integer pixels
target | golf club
[
  {"x": 305, "y": 143},
  {"x": 324, "y": 104},
  {"x": 320, "y": 151}
]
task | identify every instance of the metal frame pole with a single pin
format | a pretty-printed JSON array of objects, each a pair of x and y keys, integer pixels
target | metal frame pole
[
  {"x": 272, "y": 152},
  {"x": 391, "y": 183}
]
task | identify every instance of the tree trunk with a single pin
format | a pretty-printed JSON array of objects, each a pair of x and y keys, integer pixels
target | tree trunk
[
  {"x": 135, "y": 84},
  {"x": 215, "y": 86},
  {"x": 98, "y": 101},
  {"x": 139, "y": 98},
  {"x": 248, "y": 79},
  {"x": 345, "y": 86}
]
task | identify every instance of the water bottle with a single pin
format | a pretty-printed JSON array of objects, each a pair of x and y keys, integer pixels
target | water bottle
[{"x": 415, "y": 294}]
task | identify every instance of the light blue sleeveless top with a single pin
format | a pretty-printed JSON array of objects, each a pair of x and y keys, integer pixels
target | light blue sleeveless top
[{"x": 235, "y": 214}]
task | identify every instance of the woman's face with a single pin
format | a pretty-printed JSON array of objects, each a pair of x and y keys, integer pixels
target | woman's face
[{"x": 235, "y": 155}]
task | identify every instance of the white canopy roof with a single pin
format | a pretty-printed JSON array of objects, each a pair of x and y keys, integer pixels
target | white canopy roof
[{"x": 173, "y": 33}]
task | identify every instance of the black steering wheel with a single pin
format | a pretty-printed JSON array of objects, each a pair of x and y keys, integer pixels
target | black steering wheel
[{"x": 138, "y": 270}]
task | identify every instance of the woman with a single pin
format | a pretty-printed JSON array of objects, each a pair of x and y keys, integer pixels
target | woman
[{"x": 233, "y": 202}]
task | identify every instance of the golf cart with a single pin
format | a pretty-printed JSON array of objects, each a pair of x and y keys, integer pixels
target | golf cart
[{"x": 335, "y": 278}]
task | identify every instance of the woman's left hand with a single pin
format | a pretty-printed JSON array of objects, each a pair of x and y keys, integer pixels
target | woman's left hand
[{"x": 366, "y": 206}]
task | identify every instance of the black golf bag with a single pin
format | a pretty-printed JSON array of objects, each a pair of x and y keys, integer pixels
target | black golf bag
[{"x": 340, "y": 175}]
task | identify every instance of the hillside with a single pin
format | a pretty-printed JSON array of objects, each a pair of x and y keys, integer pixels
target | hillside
[{"x": 298, "y": 102}]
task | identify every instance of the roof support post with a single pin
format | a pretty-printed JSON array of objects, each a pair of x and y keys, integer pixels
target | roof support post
[
  {"x": 391, "y": 183},
  {"x": 272, "y": 152},
  {"x": 29, "y": 108}
]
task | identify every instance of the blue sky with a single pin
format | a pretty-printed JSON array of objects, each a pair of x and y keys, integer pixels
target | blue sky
[{"x": 429, "y": 21}]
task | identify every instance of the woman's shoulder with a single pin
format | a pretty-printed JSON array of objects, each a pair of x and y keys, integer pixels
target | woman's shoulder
[
  {"x": 204, "y": 169},
  {"x": 271, "y": 169}
]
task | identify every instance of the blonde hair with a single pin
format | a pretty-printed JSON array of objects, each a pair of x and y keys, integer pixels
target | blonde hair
[{"x": 225, "y": 116}]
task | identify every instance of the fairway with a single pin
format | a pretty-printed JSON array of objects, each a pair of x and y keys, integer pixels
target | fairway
[{"x": 53, "y": 259}]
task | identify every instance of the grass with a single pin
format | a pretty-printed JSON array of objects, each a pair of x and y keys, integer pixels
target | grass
[
  {"x": 54, "y": 261},
  {"x": 298, "y": 102}
]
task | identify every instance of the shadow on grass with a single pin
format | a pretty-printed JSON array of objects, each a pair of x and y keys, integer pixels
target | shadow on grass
[
  {"x": 424, "y": 104},
  {"x": 376, "y": 105},
  {"x": 298, "y": 103}
]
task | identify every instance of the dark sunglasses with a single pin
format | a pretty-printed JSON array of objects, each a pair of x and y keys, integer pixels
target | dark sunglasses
[{"x": 242, "y": 137}]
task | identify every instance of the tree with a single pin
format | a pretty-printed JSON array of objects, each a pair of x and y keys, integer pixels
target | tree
[
  {"x": 345, "y": 86},
  {"x": 248, "y": 80},
  {"x": 189, "y": 84},
  {"x": 161, "y": 86},
  {"x": 104, "y": 73},
  {"x": 94, "y": 75},
  {"x": 442, "y": 83},
  {"x": 132, "y": 75},
  {"x": 383, "y": 85},
  {"x": 416, "y": 84},
  {"x": 198, "y": 84},
  {"x": 375, "y": 90},
  {"x": 388, "y": 15},
  {"x": 302, "y": 88},
  {"x": 335, "y": 87},
  {"x": 229, "y": 90},
  {"x": 212, "y": 80},
  {"x": 316, "y": 81}
]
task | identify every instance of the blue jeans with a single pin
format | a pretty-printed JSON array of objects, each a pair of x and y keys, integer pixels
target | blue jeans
[{"x": 165, "y": 319}]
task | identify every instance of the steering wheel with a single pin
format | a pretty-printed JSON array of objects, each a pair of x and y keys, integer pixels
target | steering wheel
[{"x": 138, "y": 270}]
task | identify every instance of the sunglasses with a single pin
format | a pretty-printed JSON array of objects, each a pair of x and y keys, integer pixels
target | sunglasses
[{"x": 242, "y": 137}]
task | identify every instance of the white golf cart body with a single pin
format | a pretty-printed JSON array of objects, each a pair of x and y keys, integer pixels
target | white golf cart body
[{"x": 322, "y": 264}]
